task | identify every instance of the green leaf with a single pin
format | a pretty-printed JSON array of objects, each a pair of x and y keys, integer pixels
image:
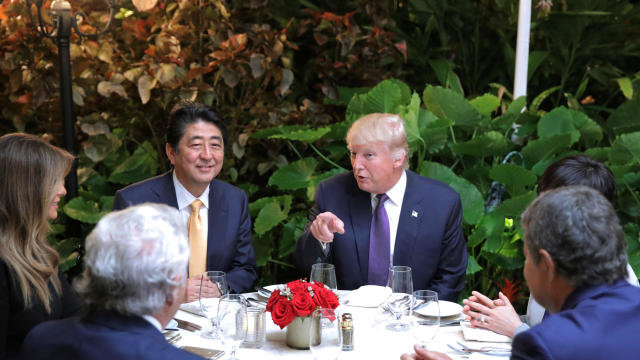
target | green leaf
[
  {"x": 257, "y": 205},
  {"x": 485, "y": 104},
  {"x": 296, "y": 175},
  {"x": 291, "y": 231},
  {"x": 625, "y": 118},
  {"x": 142, "y": 164},
  {"x": 515, "y": 206},
  {"x": 273, "y": 212},
  {"x": 491, "y": 143},
  {"x": 632, "y": 143},
  {"x": 543, "y": 148},
  {"x": 589, "y": 129},
  {"x": 83, "y": 210},
  {"x": 434, "y": 131},
  {"x": 535, "y": 104},
  {"x": 492, "y": 228},
  {"x": 515, "y": 177},
  {"x": 313, "y": 184},
  {"x": 472, "y": 265},
  {"x": 448, "y": 104},
  {"x": 558, "y": 121},
  {"x": 292, "y": 132},
  {"x": 626, "y": 87},
  {"x": 389, "y": 96},
  {"x": 411, "y": 116},
  {"x": 504, "y": 262},
  {"x": 472, "y": 201}
]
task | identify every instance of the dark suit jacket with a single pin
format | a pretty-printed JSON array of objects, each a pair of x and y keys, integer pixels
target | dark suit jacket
[
  {"x": 596, "y": 322},
  {"x": 429, "y": 237},
  {"x": 229, "y": 246},
  {"x": 100, "y": 335}
]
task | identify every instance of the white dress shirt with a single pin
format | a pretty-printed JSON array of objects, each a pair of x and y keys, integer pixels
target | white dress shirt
[
  {"x": 393, "y": 206},
  {"x": 185, "y": 198},
  {"x": 153, "y": 321}
]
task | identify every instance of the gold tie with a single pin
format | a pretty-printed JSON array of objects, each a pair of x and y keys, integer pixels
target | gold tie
[{"x": 197, "y": 241}]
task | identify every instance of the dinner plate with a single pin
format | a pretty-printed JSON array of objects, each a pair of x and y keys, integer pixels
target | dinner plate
[{"x": 447, "y": 308}]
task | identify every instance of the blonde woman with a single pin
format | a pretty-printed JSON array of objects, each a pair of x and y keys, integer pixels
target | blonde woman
[{"x": 32, "y": 289}]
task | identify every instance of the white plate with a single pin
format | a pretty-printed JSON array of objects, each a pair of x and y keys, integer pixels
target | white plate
[
  {"x": 447, "y": 308},
  {"x": 368, "y": 296}
]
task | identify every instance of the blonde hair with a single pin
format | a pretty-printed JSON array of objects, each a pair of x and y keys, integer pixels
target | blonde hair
[
  {"x": 31, "y": 170},
  {"x": 385, "y": 128}
]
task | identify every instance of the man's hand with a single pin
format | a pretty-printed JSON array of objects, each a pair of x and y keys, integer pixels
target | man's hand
[
  {"x": 193, "y": 288},
  {"x": 424, "y": 354},
  {"x": 324, "y": 225},
  {"x": 498, "y": 315}
]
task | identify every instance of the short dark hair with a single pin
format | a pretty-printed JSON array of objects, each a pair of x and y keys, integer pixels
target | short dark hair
[
  {"x": 579, "y": 228},
  {"x": 579, "y": 170},
  {"x": 189, "y": 112}
]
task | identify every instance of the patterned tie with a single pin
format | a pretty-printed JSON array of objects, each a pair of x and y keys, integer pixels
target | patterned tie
[
  {"x": 197, "y": 241},
  {"x": 379, "y": 244}
]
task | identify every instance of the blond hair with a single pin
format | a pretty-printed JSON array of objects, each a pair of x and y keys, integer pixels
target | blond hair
[
  {"x": 31, "y": 170},
  {"x": 384, "y": 128}
]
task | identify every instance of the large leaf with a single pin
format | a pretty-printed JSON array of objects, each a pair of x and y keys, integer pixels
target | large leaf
[
  {"x": 558, "y": 121},
  {"x": 515, "y": 206},
  {"x": 389, "y": 96},
  {"x": 515, "y": 177},
  {"x": 142, "y": 164},
  {"x": 472, "y": 201},
  {"x": 472, "y": 265},
  {"x": 540, "y": 149},
  {"x": 491, "y": 143},
  {"x": 625, "y": 118},
  {"x": 273, "y": 211},
  {"x": 296, "y": 175},
  {"x": 631, "y": 142},
  {"x": 313, "y": 184},
  {"x": 449, "y": 104},
  {"x": 85, "y": 211},
  {"x": 411, "y": 116},
  {"x": 485, "y": 104},
  {"x": 292, "y": 132},
  {"x": 291, "y": 231},
  {"x": 433, "y": 131}
]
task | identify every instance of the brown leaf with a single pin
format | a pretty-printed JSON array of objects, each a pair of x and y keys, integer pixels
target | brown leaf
[
  {"x": 78, "y": 95},
  {"x": 287, "y": 80},
  {"x": 255, "y": 62},
  {"x": 144, "y": 5},
  {"x": 230, "y": 78},
  {"x": 145, "y": 84}
]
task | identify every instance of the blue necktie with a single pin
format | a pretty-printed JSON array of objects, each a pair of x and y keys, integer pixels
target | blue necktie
[{"x": 379, "y": 244}]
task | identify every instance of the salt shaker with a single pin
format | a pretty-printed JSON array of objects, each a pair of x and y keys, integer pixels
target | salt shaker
[{"x": 347, "y": 332}]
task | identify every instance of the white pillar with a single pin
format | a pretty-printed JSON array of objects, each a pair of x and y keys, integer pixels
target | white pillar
[{"x": 522, "y": 49}]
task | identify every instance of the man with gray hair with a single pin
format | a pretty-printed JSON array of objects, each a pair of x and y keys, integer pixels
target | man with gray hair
[
  {"x": 575, "y": 267},
  {"x": 382, "y": 214},
  {"x": 133, "y": 282}
]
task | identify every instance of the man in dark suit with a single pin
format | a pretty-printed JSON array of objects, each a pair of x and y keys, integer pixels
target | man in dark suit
[
  {"x": 575, "y": 267},
  {"x": 418, "y": 224},
  {"x": 195, "y": 147},
  {"x": 134, "y": 279}
]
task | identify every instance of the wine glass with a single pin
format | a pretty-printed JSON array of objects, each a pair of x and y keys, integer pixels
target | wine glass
[
  {"x": 325, "y": 337},
  {"x": 401, "y": 284},
  {"x": 232, "y": 321},
  {"x": 324, "y": 273},
  {"x": 212, "y": 285},
  {"x": 425, "y": 328}
]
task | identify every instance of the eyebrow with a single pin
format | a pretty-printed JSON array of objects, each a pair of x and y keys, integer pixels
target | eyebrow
[{"x": 198, "y": 137}]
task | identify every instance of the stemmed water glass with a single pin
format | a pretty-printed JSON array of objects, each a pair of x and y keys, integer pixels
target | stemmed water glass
[
  {"x": 425, "y": 328},
  {"x": 212, "y": 286},
  {"x": 324, "y": 273},
  {"x": 399, "y": 302},
  {"x": 232, "y": 321},
  {"x": 325, "y": 337}
]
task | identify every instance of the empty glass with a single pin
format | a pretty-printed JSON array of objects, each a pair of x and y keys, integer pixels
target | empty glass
[
  {"x": 425, "y": 328},
  {"x": 232, "y": 322},
  {"x": 325, "y": 337},
  {"x": 399, "y": 302},
  {"x": 256, "y": 332},
  {"x": 324, "y": 273},
  {"x": 212, "y": 285}
]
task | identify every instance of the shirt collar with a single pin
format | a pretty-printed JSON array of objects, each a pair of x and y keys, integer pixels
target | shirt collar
[
  {"x": 396, "y": 193},
  {"x": 185, "y": 198},
  {"x": 153, "y": 321}
]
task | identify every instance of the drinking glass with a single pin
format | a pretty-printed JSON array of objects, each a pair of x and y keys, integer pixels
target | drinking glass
[
  {"x": 425, "y": 328},
  {"x": 325, "y": 337},
  {"x": 232, "y": 321},
  {"x": 324, "y": 273},
  {"x": 399, "y": 301},
  {"x": 209, "y": 299}
]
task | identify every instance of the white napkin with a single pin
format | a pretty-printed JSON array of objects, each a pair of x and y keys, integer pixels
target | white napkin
[
  {"x": 477, "y": 334},
  {"x": 368, "y": 296},
  {"x": 192, "y": 307}
]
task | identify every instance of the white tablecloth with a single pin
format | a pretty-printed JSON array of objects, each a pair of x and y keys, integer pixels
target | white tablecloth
[{"x": 372, "y": 339}]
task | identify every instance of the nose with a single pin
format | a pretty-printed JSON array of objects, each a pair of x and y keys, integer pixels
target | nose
[
  {"x": 356, "y": 162},
  {"x": 206, "y": 153},
  {"x": 62, "y": 191}
]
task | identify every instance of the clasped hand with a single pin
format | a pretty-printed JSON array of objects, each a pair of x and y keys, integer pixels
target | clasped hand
[
  {"x": 496, "y": 315},
  {"x": 209, "y": 289}
]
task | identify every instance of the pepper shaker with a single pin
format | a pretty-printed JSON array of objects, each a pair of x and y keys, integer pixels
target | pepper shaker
[{"x": 347, "y": 332}]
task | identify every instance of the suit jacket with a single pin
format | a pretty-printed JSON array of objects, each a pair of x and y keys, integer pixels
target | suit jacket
[
  {"x": 429, "y": 237},
  {"x": 229, "y": 246},
  {"x": 596, "y": 322},
  {"x": 100, "y": 335}
]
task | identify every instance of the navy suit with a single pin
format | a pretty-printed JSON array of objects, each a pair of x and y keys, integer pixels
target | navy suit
[
  {"x": 100, "y": 335},
  {"x": 229, "y": 246},
  {"x": 429, "y": 237},
  {"x": 596, "y": 322}
]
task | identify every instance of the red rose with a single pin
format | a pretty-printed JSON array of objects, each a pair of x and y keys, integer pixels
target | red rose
[
  {"x": 283, "y": 313},
  {"x": 273, "y": 299},
  {"x": 297, "y": 286},
  {"x": 303, "y": 303},
  {"x": 325, "y": 298}
]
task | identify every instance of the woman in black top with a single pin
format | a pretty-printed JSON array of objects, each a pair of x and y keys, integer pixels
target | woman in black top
[{"x": 32, "y": 289}]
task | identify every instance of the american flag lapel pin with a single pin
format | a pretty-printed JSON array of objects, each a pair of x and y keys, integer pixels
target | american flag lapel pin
[{"x": 414, "y": 214}]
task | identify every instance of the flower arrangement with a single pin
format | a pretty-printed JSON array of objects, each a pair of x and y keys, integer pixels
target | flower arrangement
[{"x": 299, "y": 298}]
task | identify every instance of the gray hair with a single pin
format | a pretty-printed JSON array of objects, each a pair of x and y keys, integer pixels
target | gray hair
[
  {"x": 385, "y": 128},
  {"x": 136, "y": 259},
  {"x": 579, "y": 228}
]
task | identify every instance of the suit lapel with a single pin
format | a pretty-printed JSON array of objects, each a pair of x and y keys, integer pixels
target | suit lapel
[
  {"x": 408, "y": 223},
  {"x": 360, "y": 208},
  {"x": 165, "y": 191},
  {"x": 218, "y": 214}
]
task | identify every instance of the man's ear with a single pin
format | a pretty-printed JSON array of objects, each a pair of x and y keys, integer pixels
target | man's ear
[
  {"x": 171, "y": 153},
  {"x": 398, "y": 159},
  {"x": 548, "y": 265}
]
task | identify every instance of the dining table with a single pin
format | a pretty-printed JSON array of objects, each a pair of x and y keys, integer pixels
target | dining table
[{"x": 371, "y": 338}]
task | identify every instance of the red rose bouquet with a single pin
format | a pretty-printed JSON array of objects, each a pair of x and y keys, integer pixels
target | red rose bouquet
[{"x": 299, "y": 298}]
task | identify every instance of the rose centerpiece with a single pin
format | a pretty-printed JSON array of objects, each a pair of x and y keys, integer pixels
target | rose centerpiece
[{"x": 292, "y": 304}]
